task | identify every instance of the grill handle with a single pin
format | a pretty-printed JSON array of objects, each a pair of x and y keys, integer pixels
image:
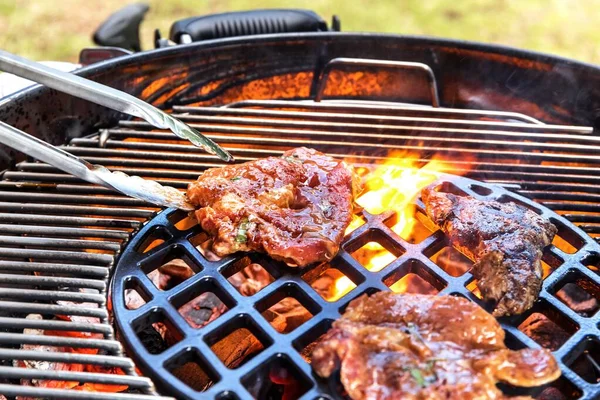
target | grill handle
[
  {"x": 132, "y": 186},
  {"x": 342, "y": 62},
  {"x": 242, "y": 23}
]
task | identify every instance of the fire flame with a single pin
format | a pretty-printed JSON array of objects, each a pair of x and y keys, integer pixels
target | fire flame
[
  {"x": 395, "y": 184},
  {"x": 392, "y": 186}
]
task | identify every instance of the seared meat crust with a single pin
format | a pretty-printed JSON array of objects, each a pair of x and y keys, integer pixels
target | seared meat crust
[
  {"x": 407, "y": 346},
  {"x": 504, "y": 239},
  {"x": 294, "y": 208}
]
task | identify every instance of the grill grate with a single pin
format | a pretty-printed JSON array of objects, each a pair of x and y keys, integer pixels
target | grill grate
[
  {"x": 59, "y": 235},
  {"x": 247, "y": 312}
]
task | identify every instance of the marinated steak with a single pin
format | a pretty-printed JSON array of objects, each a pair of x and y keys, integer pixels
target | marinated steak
[
  {"x": 410, "y": 346},
  {"x": 294, "y": 208},
  {"x": 504, "y": 239}
]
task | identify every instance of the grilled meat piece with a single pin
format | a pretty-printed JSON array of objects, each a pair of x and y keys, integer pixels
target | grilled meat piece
[
  {"x": 411, "y": 346},
  {"x": 504, "y": 239},
  {"x": 294, "y": 208}
]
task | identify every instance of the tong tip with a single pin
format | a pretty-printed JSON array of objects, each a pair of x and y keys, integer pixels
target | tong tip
[{"x": 183, "y": 130}]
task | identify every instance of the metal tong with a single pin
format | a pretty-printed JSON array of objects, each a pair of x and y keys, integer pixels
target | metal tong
[
  {"x": 107, "y": 97},
  {"x": 133, "y": 186}
]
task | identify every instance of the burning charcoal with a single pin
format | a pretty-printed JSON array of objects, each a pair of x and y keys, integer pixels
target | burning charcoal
[
  {"x": 544, "y": 331},
  {"x": 45, "y": 365},
  {"x": 551, "y": 393},
  {"x": 237, "y": 347},
  {"x": 578, "y": 300},
  {"x": 292, "y": 311},
  {"x": 178, "y": 271},
  {"x": 203, "y": 309},
  {"x": 59, "y": 366},
  {"x": 251, "y": 279},
  {"x": 133, "y": 300},
  {"x": 153, "y": 339}
]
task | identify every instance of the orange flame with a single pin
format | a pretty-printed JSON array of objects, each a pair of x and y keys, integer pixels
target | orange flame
[{"x": 393, "y": 186}]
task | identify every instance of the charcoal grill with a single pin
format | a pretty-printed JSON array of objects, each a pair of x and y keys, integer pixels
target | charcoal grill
[{"x": 521, "y": 123}]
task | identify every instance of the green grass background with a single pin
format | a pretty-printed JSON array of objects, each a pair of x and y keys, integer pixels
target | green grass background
[{"x": 58, "y": 29}]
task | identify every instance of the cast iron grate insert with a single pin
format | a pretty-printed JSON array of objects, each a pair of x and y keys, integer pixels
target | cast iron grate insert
[{"x": 281, "y": 364}]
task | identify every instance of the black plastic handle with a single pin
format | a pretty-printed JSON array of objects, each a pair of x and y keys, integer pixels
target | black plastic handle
[
  {"x": 242, "y": 23},
  {"x": 121, "y": 29}
]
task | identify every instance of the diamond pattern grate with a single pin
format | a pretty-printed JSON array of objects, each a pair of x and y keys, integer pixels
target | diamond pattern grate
[{"x": 426, "y": 257}]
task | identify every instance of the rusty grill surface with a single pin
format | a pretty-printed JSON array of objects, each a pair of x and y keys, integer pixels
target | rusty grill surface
[{"x": 59, "y": 235}]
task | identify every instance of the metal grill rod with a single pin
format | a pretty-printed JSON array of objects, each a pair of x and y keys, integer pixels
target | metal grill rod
[
  {"x": 298, "y": 118},
  {"x": 383, "y": 108}
]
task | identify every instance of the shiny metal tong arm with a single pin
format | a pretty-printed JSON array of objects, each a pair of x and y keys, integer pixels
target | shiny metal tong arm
[
  {"x": 107, "y": 97},
  {"x": 132, "y": 186}
]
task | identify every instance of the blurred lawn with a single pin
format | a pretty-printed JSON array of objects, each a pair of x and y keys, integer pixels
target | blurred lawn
[{"x": 57, "y": 30}]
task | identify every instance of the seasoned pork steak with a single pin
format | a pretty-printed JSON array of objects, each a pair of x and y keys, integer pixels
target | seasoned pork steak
[
  {"x": 504, "y": 239},
  {"x": 409, "y": 346},
  {"x": 294, "y": 208}
]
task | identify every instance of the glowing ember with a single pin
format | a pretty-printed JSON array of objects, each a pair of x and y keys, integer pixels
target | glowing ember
[
  {"x": 373, "y": 256},
  {"x": 343, "y": 285}
]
